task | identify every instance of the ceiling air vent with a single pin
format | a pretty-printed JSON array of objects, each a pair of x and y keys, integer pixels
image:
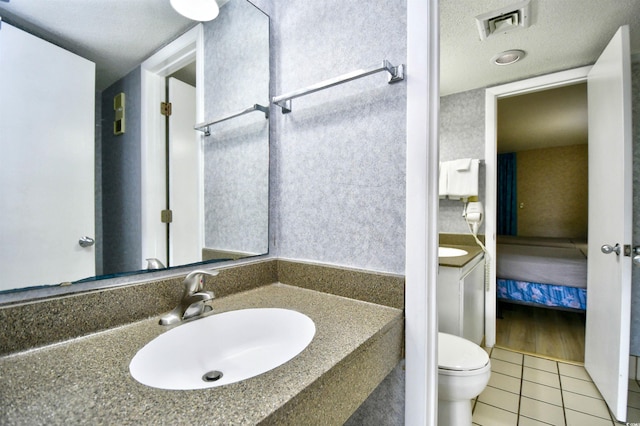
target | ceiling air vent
[{"x": 504, "y": 20}]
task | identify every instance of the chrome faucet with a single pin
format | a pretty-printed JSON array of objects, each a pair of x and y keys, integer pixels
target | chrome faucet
[{"x": 193, "y": 302}]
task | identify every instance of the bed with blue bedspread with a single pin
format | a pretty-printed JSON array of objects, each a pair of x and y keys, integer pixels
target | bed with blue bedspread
[{"x": 547, "y": 272}]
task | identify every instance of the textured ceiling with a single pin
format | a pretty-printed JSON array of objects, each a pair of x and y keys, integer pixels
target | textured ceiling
[{"x": 563, "y": 34}]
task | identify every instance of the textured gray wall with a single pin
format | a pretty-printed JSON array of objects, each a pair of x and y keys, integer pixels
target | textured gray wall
[
  {"x": 121, "y": 180},
  {"x": 339, "y": 169},
  {"x": 461, "y": 136},
  {"x": 338, "y": 159},
  {"x": 264, "y": 5},
  {"x": 635, "y": 275},
  {"x": 385, "y": 405},
  {"x": 236, "y": 155}
]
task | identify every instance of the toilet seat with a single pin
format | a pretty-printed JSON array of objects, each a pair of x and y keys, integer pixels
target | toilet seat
[{"x": 458, "y": 356}]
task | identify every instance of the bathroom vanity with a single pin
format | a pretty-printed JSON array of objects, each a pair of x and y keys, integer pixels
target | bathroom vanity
[
  {"x": 461, "y": 294},
  {"x": 86, "y": 380}
]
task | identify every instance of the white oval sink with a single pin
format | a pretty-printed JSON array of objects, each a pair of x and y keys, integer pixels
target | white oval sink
[
  {"x": 451, "y": 252},
  {"x": 239, "y": 344}
]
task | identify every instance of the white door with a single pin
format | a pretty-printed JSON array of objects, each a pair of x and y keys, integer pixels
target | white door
[
  {"x": 46, "y": 161},
  {"x": 184, "y": 176},
  {"x": 610, "y": 208}
]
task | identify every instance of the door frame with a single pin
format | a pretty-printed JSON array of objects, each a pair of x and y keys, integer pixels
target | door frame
[
  {"x": 535, "y": 84},
  {"x": 153, "y": 162}
]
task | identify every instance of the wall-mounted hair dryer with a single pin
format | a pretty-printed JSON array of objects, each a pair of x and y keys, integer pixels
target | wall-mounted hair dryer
[{"x": 474, "y": 215}]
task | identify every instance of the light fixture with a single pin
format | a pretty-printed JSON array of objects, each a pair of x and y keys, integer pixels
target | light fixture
[
  {"x": 508, "y": 57},
  {"x": 198, "y": 10}
]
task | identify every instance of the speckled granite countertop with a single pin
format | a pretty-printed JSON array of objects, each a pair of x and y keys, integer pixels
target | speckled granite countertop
[
  {"x": 87, "y": 380},
  {"x": 459, "y": 261}
]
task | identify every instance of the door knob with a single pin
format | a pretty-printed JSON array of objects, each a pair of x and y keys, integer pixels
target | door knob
[
  {"x": 636, "y": 255},
  {"x": 86, "y": 242},
  {"x": 607, "y": 249}
]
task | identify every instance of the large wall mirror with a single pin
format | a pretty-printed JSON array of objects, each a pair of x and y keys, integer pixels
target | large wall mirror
[{"x": 91, "y": 187}]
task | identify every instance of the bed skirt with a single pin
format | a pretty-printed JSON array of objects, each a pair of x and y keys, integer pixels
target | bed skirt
[{"x": 548, "y": 295}]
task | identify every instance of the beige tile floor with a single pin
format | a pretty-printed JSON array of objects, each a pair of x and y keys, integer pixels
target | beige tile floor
[{"x": 525, "y": 390}]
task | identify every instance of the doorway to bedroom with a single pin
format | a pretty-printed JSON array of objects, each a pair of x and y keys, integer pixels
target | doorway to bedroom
[{"x": 542, "y": 222}]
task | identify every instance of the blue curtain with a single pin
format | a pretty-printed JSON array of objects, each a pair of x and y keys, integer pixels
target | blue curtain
[{"x": 507, "y": 195}]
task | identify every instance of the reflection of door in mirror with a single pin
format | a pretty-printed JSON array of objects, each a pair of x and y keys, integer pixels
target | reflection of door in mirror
[
  {"x": 44, "y": 147},
  {"x": 184, "y": 165}
]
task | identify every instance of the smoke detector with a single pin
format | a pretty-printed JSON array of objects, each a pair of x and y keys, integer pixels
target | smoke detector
[{"x": 504, "y": 20}]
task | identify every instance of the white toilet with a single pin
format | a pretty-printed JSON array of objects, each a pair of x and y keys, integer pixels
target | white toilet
[{"x": 463, "y": 372}]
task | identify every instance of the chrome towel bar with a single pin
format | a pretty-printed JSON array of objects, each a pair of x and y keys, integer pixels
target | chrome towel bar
[
  {"x": 395, "y": 74},
  {"x": 204, "y": 127}
]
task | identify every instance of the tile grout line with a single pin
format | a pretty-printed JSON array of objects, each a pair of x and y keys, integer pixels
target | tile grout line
[
  {"x": 520, "y": 396},
  {"x": 543, "y": 384},
  {"x": 542, "y": 356},
  {"x": 564, "y": 409},
  {"x": 559, "y": 375},
  {"x": 475, "y": 400}
]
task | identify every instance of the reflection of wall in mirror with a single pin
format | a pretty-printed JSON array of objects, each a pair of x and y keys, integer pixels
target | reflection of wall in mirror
[
  {"x": 118, "y": 164},
  {"x": 236, "y": 155},
  {"x": 236, "y": 180}
]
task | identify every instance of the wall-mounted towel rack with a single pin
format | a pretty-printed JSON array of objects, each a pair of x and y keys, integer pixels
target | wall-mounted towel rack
[
  {"x": 204, "y": 127},
  {"x": 395, "y": 74}
]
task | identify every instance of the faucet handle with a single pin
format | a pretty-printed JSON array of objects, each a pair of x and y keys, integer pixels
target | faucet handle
[
  {"x": 194, "y": 281},
  {"x": 154, "y": 263}
]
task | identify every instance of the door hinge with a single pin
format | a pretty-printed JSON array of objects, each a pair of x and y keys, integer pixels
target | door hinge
[
  {"x": 166, "y": 216},
  {"x": 165, "y": 108}
]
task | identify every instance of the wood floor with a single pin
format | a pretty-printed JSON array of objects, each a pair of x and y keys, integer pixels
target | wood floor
[{"x": 548, "y": 332}]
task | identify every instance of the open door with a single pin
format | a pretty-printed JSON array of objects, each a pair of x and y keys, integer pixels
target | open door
[
  {"x": 184, "y": 176},
  {"x": 610, "y": 220}
]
